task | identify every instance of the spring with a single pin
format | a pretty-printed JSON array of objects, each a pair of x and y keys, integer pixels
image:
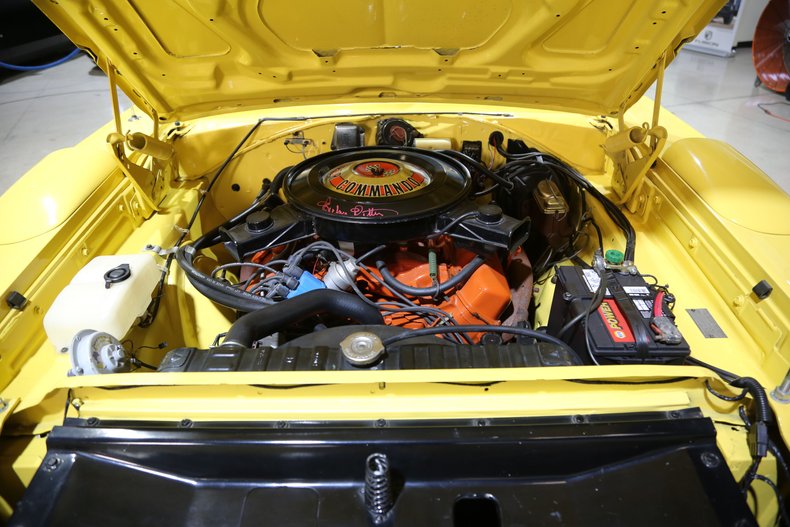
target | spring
[{"x": 378, "y": 486}]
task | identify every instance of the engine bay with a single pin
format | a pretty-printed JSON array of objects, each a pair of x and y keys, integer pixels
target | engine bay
[
  {"x": 402, "y": 254},
  {"x": 382, "y": 267},
  {"x": 311, "y": 269}
]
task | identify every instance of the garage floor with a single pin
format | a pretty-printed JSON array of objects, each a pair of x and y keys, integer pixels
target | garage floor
[{"x": 56, "y": 108}]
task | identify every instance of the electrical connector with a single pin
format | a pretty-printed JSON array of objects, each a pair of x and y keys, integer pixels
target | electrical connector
[
  {"x": 599, "y": 264},
  {"x": 666, "y": 331},
  {"x": 758, "y": 439},
  {"x": 294, "y": 271},
  {"x": 278, "y": 290}
]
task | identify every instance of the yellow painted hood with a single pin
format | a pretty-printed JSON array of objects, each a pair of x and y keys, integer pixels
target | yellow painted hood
[{"x": 180, "y": 59}]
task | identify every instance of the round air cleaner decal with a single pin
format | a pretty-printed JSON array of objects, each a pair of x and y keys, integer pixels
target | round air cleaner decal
[
  {"x": 376, "y": 169},
  {"x": 376, "y": 178},
  {"x": 371, "y": 193}
]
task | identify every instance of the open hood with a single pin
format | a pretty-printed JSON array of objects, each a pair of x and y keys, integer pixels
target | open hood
[{"x": 182, "y": 59}]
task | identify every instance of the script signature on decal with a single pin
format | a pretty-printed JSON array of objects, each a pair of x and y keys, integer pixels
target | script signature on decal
[{"x": 358, "y": 211}]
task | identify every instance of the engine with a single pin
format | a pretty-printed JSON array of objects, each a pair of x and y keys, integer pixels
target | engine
[
  {"x": 397, "y": 225},
  {"x": 361, "y": 256}
]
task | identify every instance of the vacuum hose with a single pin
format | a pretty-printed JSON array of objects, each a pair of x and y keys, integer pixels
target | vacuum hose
[
  {"x": 400, "y": 287},
  {"x": 263, "y": 322}
]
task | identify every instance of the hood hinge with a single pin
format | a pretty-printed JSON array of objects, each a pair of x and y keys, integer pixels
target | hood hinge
[
  {"x": 148, "y": 183},
  {"x": 635, "y": 149}
]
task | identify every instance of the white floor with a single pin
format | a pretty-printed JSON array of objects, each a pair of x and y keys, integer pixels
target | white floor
[
  {"x": 56, "y": 108},
  {"x": 43, "y": 111}
]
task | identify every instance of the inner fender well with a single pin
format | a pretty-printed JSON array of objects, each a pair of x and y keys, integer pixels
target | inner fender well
[{"x": 730, "y": 184}]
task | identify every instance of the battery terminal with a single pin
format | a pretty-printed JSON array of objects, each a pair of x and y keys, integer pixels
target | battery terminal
[{"x": 666, "y": 331}]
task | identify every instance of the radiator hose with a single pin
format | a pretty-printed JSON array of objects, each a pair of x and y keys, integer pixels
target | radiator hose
[{"x": 263, "y": 322}]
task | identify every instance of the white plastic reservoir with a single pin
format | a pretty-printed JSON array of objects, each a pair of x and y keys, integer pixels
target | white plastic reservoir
[{"x": 88, "y": 303}]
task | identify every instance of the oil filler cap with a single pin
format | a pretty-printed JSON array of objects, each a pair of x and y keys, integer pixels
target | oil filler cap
[{"x": 116, "y": 274}]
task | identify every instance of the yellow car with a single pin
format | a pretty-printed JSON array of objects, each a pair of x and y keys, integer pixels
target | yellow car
[{"x": 393, "y": 263}]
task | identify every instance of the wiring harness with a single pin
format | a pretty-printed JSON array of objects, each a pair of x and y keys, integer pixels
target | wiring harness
[{"x": 760, "y": 442}]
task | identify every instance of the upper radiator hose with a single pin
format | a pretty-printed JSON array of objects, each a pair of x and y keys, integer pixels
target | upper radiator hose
[{"x": 263, "y": 322}]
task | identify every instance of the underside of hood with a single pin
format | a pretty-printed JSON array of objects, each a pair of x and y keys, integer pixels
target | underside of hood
[{"x": 180, "y": 59}]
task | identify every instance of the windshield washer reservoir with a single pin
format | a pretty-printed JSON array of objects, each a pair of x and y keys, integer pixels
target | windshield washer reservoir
[{"x": 87, "y": 302}]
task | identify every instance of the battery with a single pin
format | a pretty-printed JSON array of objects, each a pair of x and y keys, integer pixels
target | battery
[{"x": 620, "y": 329}]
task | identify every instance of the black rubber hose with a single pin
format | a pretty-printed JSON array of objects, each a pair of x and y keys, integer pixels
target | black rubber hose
[
  {"x": 756, "y": 390},
  {"x": 402, "y": 288},
  {"x": 506, "y": 183},
  {"x": 226, "y": 299},
  {"x": 216, "y": 290},
  {"x": 263, "y": 322}
]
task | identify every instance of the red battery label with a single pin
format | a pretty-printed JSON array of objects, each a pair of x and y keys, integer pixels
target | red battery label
[{"x": 615, "y": 322}]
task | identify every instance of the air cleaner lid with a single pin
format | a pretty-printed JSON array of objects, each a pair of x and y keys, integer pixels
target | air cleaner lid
[{"x": 369, "y": 184}]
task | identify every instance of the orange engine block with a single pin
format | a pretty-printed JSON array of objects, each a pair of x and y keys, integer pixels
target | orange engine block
[{"x": 481, "y": 300}]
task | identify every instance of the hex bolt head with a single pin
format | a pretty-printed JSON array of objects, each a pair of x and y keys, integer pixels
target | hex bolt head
[
  {"x": 710, "y": 459},
  {"x": 52, "y": 463}
]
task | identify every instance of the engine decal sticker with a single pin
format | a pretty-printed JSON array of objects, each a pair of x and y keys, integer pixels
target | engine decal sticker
[
  {"x": 375, "y": 179},
  {"x": 614, "y": 321},
  {"x": 376, "y": 169},
  {"x": 357, "y": 211}
]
